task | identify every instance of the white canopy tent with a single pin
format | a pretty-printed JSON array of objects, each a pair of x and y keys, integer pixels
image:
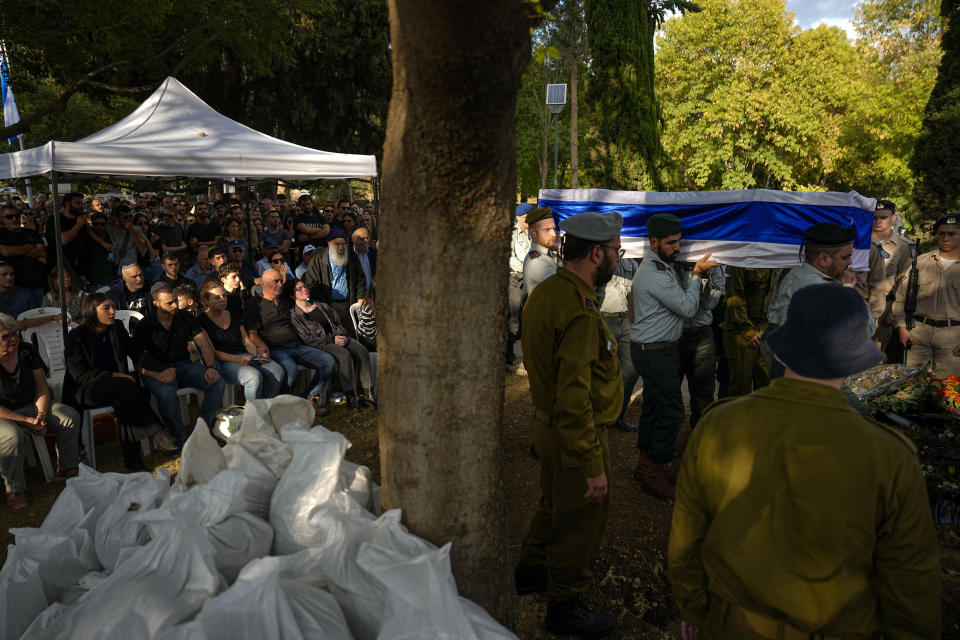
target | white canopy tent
[{"x": 175, "y": 134}]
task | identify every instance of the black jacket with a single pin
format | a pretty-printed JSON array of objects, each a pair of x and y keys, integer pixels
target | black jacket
[
  {"x": 82, "y": 367},
  {"x": 319, "y": 276}
]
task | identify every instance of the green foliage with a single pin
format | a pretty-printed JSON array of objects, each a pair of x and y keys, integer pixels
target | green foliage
[
  {"x": 625, "y": 145},
  {"x": 937, "y": 156}
]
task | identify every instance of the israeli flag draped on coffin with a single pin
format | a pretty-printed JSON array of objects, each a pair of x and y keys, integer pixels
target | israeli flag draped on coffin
[{"x": 745, "y": 228}]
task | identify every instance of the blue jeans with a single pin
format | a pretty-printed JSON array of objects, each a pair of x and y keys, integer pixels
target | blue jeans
[
  {"x": 189, "y": 374},
  {"x": 258, "y": 379},
  {"x": 320, "y": 361}
]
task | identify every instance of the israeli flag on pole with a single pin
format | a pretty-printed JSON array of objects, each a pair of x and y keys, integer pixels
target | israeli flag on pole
[
  {"x": 745, "y": 228},
  {"x": 10, "y": 113}
]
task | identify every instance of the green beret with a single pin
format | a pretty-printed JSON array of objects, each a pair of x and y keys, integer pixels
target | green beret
[
  {"x": 950, "y": 218},
  {"x": 593, "y": 226},
  {"x": 537, "y": 215},
  {"x": 661, "y": 225},
  {"x": 828, "y": 235}
]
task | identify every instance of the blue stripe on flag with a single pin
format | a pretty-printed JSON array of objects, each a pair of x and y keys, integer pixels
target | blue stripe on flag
[{"x": 770, "y": 222}]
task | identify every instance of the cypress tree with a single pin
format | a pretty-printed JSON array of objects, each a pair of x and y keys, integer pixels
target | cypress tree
[
  {"x": 936, "y": 156},
  {"x": 620, "y": 93}
]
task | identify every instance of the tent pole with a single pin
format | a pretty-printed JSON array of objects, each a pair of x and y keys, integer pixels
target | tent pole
[{"x": 59, "y": 242}]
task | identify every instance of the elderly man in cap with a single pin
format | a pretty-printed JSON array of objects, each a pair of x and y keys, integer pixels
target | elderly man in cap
[
  {"x": 936, "y": 336},
  {"x": 541, "y": 261},
  {"x": 827, "y": 252},
  {"x": 336, "y": 278},
  {"x": 571, "y": 359},
  {"x": 519, "y": 247},
  {"x": 796, "y": 517},
  {"x": 662, "y": 300},
  {"x": 309, "y": 252}
]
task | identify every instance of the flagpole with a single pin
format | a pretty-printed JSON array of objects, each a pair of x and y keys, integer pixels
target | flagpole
[{"x": 29, "y": 188}]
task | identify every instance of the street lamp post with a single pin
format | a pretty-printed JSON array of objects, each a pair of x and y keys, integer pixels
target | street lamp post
[{"x": 556, "y": 100}]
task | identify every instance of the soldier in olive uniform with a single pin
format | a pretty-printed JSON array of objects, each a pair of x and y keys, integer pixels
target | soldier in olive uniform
[
  {"x": 797, "y": 518},
  {"x": 897, "y": 254},
  {"x": 749, "y": 292},
  {"x": 660, "y": 305},
  {"x": 541, "y": 261},
  {"x": 571, "y": 360},
  {"x": 936, "y": 335},
  {"x": 519, "y": 247}
]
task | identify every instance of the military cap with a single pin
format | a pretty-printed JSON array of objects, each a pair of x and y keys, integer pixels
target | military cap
[
  {"x": 828, "y": 235},
  {"x": 235, "y": 243},
  {"x": 886, "y": 204},
  {"x": 536, "y": 215},
  {"x": 522, "y": 209},
  {"x": 336, "y": 233},
  {"x": 825, "y": 335},
  {"x": 661, "y": 225},
  {"x": 593, "y": 226},
  {"x": 950, "y": 218}
]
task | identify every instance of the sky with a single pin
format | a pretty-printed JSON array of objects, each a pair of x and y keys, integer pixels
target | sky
[{"x": 838, "y": 13}]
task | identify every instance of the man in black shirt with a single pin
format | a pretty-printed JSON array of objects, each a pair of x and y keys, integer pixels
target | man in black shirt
[
  {"x": 23, "y": 249},
  {"x": 99, "y": 264},
  {"x": 171, "y": 272},
  {"x": 132, "y": 291},
  {"x": 204, "y": 232},
  {"x": 170, "y": 233},
  {"x": 164, "y": 336},
  {"x": 310, "y": 227},
  {"x": 73, "y": 224},
  {"x": 267, "y": 319}
]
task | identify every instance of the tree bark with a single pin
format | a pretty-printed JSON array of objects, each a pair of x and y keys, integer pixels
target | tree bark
[
  {"x": 449, "y": 181},
  {"x": 574, "y": 148}
]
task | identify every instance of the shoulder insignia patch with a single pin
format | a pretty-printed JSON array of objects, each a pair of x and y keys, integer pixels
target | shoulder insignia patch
[
  {"x": 534, "y": 254},
  {"x": 660, "y": 265},
  {"x": 589, "y": 304}
]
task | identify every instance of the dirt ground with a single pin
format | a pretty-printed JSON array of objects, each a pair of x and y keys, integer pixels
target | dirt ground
[{"x": 631, "y": 571}]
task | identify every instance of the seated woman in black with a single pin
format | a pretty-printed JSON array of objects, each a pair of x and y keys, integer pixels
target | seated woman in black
[
  {"x": 96, "y": 353},
  {"x": 317, "y": 326},
  {"x": 26, "y": 404}
]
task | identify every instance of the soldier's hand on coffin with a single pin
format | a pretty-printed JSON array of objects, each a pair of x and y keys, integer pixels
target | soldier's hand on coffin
[
  {"x": 849, "y": 276},
  {"x": 704, "y": 265}
]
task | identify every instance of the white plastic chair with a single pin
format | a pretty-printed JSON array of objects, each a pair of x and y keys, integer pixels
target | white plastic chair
[
  {"x": 48, "y": 338},
  {"x": 355, "y": 317},
  {"x": 125, "y": 315}
]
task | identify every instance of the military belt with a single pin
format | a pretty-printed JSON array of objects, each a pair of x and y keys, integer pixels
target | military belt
[
  {"x": 936, "y": 323},
  {"x": 768, "y": 627},
  {"x": 544, "y": 417},
  {"x": 613, "y": 314},
  {"x": 654, "y": 346}
]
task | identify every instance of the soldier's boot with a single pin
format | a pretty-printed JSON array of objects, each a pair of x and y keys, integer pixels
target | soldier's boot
[
  {"x": 572, "y": 618},
  {"x": 530, "y": 578},
  {"x": 653, "y": 478}
]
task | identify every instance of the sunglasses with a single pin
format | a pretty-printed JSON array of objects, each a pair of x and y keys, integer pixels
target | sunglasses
[
  {"x": 276, "y": 261},
  {"x": 237, "y": 250},
  {"x": 12, "y": 216}
]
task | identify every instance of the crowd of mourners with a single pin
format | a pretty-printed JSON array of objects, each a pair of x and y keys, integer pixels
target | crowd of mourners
[{"x": 247, "y": 293}]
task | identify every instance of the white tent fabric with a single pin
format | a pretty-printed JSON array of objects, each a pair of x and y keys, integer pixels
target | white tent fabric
[{"x": 176, "y": 134}]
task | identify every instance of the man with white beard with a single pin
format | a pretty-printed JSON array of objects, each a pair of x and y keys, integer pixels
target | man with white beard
[{"x": 336, "y": 277}]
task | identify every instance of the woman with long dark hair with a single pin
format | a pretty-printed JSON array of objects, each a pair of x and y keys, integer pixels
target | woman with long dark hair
[
  {"x": 73, "y": 293},
  {"x": 96, "y": 353}
]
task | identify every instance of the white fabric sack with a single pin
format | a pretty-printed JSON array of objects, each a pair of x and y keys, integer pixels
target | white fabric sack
[
  {"x": 421, "y": 597},
  {"x": 164, "y": 583},
  {"x": 21, "y": 593},
  {"x": 261, "y": 481},
  {"x": 260, "y": 415},
  {"x": 118, "y": 528},
  {"x": 276, "y": 598},
  {"x": 238, "y": 540},
  {"x": 312, "y": 478},
  {"x": 357, "y": 481},
  {"x": 88, "y": 492},
  {"x": 60, "y": 565},
  {"x": 361, "y": 595},
  {"x": 202, "y": 457}
]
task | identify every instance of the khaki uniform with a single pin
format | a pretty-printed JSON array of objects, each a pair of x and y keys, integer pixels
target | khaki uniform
[
  {"x": 871, "y": 283},
  {"x": 897, "y": 254},
  {"x": 792, "y": 506},
  {"x": 936, "y": 332},
  {"x": 574, "y": 373},
  {"x": 749, "y": 292}
]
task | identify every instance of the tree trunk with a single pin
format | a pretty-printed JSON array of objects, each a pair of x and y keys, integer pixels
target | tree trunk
[
  {"x": 449, "y": 181},
  {"x": 574, "y": 148}
]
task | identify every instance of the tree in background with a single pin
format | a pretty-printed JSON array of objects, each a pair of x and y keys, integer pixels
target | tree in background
[
  {"x": 937, "y": 156},
  {"x": 625, "y": 143}
]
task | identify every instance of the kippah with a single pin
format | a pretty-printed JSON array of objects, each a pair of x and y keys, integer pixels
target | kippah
[
  {"x": 593, "y": 226},
  {"x": 661, "y": 225},
  {"x": 336, "y": 233},
  {"x": 536, "y": 215},
  {"x": 522, "y": 208},
  {"x": 828, "y": 235}
]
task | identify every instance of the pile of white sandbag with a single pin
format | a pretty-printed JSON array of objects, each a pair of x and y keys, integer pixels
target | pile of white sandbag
[{"x": 128, "y": 556}]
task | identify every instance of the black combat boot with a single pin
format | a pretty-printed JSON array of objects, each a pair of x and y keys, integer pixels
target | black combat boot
[
  {"x": 572, "y": 618},
  {"x": 530, "y": 578}
]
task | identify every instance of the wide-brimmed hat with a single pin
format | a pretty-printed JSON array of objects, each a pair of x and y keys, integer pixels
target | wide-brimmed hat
[{"x": 826, "y": 334}]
